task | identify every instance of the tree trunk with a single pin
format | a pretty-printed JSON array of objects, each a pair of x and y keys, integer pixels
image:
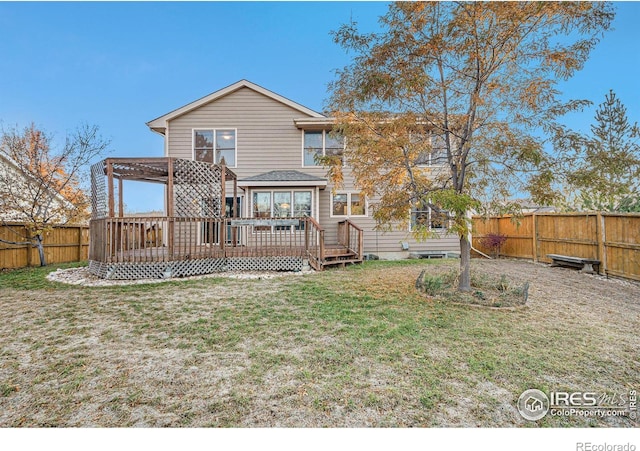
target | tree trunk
[
  {"x": 465, "y": 264},
  {"x": 40, "y": 246}
]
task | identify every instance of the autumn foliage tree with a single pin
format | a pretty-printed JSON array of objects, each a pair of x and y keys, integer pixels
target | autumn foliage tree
[
  {"x": 41, "y": 186},
  {"x": 473, "y": 83}
]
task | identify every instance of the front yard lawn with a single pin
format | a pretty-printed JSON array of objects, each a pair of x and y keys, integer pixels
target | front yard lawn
[{"x": 343, "y": 348}]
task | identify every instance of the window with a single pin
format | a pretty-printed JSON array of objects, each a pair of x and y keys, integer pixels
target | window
[
  {"x": 435, "y": 154},
  {"x": 213, "y": 145},
  {"x": 301, "y": 204},
  {"x": 348, "y": 204},
  {"x": 320, "y": 143},
  {"x": 281, "y": 204},
  {"x": 429, "y": 218},
  {"x": 438, "y": 150},
  {"x": 262, "y": 207}
]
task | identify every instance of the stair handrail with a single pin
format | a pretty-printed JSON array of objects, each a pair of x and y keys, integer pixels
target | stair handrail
[
  {"x": 314, "y": 244},
  {"x": 346, "y": 241}
]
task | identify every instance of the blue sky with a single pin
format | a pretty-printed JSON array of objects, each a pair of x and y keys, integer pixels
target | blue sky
[{"x": 119, "y": 65}]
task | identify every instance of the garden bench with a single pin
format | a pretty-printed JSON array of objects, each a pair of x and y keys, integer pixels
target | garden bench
[{"x": 588, "y": 265}]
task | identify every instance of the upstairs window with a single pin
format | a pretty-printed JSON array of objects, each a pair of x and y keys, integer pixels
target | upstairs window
[
  {"x": 211, "y": 145},
  {"x": 435, "y": 154},
  {"x": 320, "y": 143}
]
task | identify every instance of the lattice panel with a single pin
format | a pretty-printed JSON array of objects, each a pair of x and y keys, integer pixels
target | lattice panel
[
  {"x": 279, "y": 263},
  {"x": 186, "y": 268},
  {"x": 197, "y": 189},
  {"x": 157, "y": 270},
  {"x": 98, "y": 268},
  {"x": 196, "y": 267},
  {"x": 98, "y": 191}
]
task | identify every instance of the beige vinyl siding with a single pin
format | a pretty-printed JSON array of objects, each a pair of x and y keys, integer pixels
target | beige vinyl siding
[
  {"x": 268, "y": 140},
  {"x": 378, "y": 241}
]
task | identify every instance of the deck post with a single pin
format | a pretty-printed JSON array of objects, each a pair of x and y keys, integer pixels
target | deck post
[
  {"x": 120, "y": 199},
  {"x": 170, "y": 219},
  {"x": 360, "y": 244},
  {"x": 110, "y": 188},
  {"x": 223, "y": 204},
  {"x": 234, "y": 231}
]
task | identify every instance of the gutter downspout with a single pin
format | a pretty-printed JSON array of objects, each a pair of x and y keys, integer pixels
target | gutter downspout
[{"x": 470, "y": 238}]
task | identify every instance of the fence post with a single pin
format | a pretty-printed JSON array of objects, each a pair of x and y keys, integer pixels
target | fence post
[
  {"x": 601, "y": 238},
  {"x": 79, "y": 243},
  {"x": 28, "y": 246},
  {"x": 534, "y": 237}
]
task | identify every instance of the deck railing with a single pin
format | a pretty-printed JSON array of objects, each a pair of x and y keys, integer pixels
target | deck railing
[
  {"x": 314, "y": 243},
  {"x": 351, "y": 237},
  {"x": 158, "y": 239}
]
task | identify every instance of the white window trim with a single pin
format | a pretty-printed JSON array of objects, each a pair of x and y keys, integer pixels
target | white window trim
[
  {"x": 349, "y": 215},
  {"x": 324, "y": 148},
  {"x": 273, "y": 190},
  {"x": 214, "y": 130},
  {"x": 312, "y": 211},
  {"x": 430, "y": 163}
]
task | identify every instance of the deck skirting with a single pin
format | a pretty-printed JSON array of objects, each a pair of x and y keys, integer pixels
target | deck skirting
[{"x": 195, "y": 267}]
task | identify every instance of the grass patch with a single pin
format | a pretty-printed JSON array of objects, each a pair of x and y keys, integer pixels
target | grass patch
[
  {"x": 35, "y": 278},
  {"x": 353, "y": 347}
]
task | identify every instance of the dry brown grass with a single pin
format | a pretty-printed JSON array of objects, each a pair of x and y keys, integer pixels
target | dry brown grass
[{"x": 347, "y": 348}]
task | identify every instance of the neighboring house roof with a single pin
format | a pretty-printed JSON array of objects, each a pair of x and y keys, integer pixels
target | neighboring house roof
[
  {"x": 14, "y": 179},
  {"x": 528, "y": 206},
  {"x": 292, "y": 178},
  {"x": 159, "y": 125}
]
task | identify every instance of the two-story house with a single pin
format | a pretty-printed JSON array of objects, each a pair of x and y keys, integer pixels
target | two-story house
[
  {"x": 243, "y": 191},
  {"x": 270, "y": 143}
]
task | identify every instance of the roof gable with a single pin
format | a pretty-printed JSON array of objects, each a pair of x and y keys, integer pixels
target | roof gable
[
  {"x": 160, "y": 124},
  {"x": 282, "y": 178}
]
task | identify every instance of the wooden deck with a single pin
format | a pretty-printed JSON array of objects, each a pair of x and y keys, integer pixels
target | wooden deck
[
  {"x": 151, "y": 240},
  {"x": 163, "y": 254}
]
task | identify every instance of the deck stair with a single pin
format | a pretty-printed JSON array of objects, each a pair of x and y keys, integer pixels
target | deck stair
[
  {"x": 347, "y": 250},
  {"x": 336, "y": 254}
]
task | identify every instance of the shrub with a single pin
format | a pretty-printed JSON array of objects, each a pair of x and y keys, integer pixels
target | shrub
[
  {"x": 493, "y": 242},
  {"x": 431, "y": 284}
]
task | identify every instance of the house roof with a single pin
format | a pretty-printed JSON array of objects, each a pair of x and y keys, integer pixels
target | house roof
[
  {"x": 314, "y": 123},
  {"x": 283, "y": 178},
  {"x": 159, "y": 124}
]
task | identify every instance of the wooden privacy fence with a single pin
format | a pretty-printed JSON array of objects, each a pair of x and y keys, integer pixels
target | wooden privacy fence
[
  {"x": 612, "y": 238},
  {"x": 62, "y": 244}
]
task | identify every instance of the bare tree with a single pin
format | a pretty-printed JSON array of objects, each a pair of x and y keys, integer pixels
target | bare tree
[{"x": 41, "y": 186}]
